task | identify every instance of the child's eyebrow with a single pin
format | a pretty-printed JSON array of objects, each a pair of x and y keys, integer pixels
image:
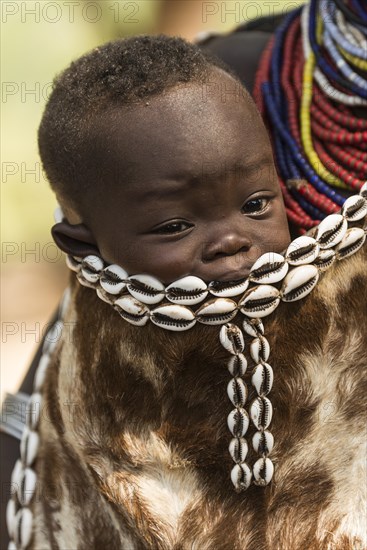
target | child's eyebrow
[
  {"x": 171, "y": 188},
  {"x": 181, "y": 182}
]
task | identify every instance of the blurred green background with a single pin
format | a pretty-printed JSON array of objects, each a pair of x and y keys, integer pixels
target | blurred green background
[{"x": 38, "y": 40}]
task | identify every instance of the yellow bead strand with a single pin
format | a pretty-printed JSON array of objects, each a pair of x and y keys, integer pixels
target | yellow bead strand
[
  {"x": 305, "y": 119},
  {"x": 356, "y": 61}
]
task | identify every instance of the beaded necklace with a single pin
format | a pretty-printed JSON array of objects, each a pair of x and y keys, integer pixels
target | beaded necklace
[
  {"x": 139, "y": 299},
  {"x": 305, "y": 99},
  {"x": 349, "y": 13},
  {"x": 340, "y": 32}
]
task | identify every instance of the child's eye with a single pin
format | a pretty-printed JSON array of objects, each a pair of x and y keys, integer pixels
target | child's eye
[
  {"x": 174, "y": 227},
  {"x": 255, "y": 206}
]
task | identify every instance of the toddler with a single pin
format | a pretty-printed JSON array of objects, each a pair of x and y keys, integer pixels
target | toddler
[
  {"x": 164, "y": 173},
  {"x": 161, "y": 163}
]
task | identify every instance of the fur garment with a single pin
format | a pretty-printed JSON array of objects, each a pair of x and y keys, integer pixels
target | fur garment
[{"x": 134, "y": 439}]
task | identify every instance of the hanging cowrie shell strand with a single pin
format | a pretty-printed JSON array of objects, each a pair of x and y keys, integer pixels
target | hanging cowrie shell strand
[
  {"x": 19, "y": 516},
  {"x": 261, "y": 410},
  {"x": 274, "y": 278},
  {"x": 231, "y": 338}
]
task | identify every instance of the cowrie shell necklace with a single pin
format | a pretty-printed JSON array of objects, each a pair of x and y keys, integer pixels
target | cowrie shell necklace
[{"x": 142, "y": 298}]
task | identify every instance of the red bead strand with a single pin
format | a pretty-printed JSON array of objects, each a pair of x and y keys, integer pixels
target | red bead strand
[{"x": 336, "y": 169}]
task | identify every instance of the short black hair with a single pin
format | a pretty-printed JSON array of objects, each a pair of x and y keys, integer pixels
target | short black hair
[{"x": 121, "y": 72}]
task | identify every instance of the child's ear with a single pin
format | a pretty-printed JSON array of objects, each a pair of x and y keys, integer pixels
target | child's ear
[{"x": 76, "y": 240}]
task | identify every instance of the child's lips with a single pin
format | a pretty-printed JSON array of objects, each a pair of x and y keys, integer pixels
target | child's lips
[
  {"x": 232, "y": 277},
  {"x": 228, "y": 270},
  {"x": 228, "y": 276}
]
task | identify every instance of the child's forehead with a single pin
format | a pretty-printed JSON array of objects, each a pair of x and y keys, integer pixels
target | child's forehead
[
  {"x": 219, "y": 92},
  {"x": 205, "y": 115}
]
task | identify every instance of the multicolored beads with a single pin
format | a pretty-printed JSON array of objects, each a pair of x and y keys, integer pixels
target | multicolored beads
[{"x": 308, "y": 83}]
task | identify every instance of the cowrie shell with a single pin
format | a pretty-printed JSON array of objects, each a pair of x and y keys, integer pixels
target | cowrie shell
[
  {"x": 73, "y": 264},
  {"x": 132, "y": 310},
  {"x": 363, "y": 190},
  {"x": 231, "y": 338},
  {"x": 173, "y": 317},
  {"x": 237, "y": 392},
  {"x": 253, "y": 327},
  {"x": 27, "y": 486},
  {"x": 29, "y": 446},
  {"x": 262, "y": 379},
  {"x": 261, "y": 412},
  {"x": 352, "y": 241},
  {"x": 303, "y": 250},
  {"x": 238, "y": 449},
  {"x": 299, "y": 282},
  {"x": 84, "y": 282},
  {"x": 237, "y": 365},
  {"x": 33, "y": 410},
  {"x": 228, "y": 289},
  {"x": 269, "y": 268},
  {"x": 354, "y": 208},
  {"x": 263, "y": 470},
  {"x": 58, "y": 214},
  {"x": 53, "y": 337},
  {"x": 325, "y": 259},
  {"x": 188, "y": 290},
  {"x": 241, "y": 476},
  {"x": 238, "y": 422},
  {"x": 41, "y": 372},
  {"x": 11, "y": 510},
  {"x": 23, "y": 527},
  {"x": 65, "y": 302},
  {"x": 91, "y": 268},
  {"x": 331, "y": 230},
  {"x": 16, "y": 476},
  {"x": 260, "y": 301},
  {"x": 260, "y": 349},
  {"x": 263, "y": 442},
  {"x": 112, "y": 279},
  {"x": 105, "y": 297},
  {"x": 146, "y": 289},
  {"x": 217, "y": 311}
]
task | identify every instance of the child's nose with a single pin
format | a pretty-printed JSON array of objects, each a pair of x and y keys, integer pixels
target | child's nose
[{"x": 228, "y": 242}]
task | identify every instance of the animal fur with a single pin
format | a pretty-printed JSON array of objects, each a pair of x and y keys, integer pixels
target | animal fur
[{"x": 134, "y": 451}]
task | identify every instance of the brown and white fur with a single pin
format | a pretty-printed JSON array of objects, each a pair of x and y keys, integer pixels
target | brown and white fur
[{"x": 134, "y": 440}]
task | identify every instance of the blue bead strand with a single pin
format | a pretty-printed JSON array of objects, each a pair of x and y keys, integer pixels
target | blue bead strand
[
  {"x": 328, "y": 14},
  {"x": 276, "y": 58},
  {"x": 360, "y": 82},
  {"x": 322, "y": 63}
]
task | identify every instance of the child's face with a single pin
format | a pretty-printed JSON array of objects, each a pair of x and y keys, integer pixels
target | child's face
[{"x": 193, "y": 188}]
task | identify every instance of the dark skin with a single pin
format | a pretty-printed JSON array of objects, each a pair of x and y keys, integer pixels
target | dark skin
[
  {"x": 242, "y": 52},
  {"x": 194, "y": 189}
]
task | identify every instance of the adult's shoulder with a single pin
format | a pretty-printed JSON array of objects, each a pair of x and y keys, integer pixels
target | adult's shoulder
[{"x": 241, "y": 49}]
